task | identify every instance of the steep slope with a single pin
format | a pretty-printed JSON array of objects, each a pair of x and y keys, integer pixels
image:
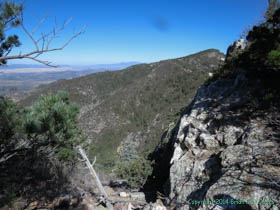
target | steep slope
[
  {"x": 126, "y": 111},
  {"x": 224, "y": 152}
]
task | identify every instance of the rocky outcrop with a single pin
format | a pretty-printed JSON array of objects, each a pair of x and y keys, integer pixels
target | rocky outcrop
[
  {"x": 219, "y": 152},
  {"x": 236, "y": 48}
]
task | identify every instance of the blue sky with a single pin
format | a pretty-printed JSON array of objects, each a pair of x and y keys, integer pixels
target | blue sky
[{"x": 139, "y": 30}]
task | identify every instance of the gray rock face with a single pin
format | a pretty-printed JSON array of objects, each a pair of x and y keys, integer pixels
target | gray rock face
[
  {"x": 155, "y": 206},
  {"x": 236, "y": 48},
  {"x": 218, "y": 152}
]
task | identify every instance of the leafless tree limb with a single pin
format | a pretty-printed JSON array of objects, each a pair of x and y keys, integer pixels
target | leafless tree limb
[
  {"x": 42, "y": 44},
  {"x": 104, "y": 197},
  {"x": 39, "y": 24},
  {"x": 9, "y": 21},
  {"x": 30, "y": 35}
]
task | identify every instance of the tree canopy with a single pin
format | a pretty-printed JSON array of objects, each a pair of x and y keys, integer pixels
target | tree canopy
[{"x": 9, "y": 13}]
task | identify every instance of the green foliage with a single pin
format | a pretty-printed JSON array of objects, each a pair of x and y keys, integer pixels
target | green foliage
[
  {"x": 52, "y": 121},
  {"x": 49, "y": 123},
  {"x": 37, "y": 143},
  {"x": 260, "y": 60},
  {"x": 9, "y": 17},
  {"x": 262, "y": 54},
  {"x": 8, "y": 119},
  {"x": 273, "y": 58},
  {"x": 264, "y": 42},
  {"x": 9, "y": 123},
  {"x": 135, "y": 172}
]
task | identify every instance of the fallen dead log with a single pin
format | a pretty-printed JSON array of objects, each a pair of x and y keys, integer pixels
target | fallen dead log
[{"x": 95, "y": 176}]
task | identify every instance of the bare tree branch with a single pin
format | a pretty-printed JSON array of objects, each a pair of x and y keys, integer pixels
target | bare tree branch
[
  {"x": 30, "y": 35},
  {"x": 56, "y": 30},
  {"x": 39, "y": 24},
  {"x": 44, "y": 41},
  {"x": 9, "y": 21},
  {"x": 47, "y": 63}
]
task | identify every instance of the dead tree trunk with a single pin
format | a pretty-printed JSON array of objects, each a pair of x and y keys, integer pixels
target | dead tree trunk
[{"x": 93, "y": 173}]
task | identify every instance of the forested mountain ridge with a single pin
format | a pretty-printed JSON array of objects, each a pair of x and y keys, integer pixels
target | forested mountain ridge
[{"x": 134, "y": 105}]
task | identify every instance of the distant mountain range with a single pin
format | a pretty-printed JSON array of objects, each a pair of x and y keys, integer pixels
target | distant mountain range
[
  {"x": 16, "y": 78},
  {"x": 15, "y": 66},
  {"x": 114, "y": 66}
]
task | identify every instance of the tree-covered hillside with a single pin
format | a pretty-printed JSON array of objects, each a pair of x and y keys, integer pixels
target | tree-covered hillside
[{"x": 135, "y": 105}]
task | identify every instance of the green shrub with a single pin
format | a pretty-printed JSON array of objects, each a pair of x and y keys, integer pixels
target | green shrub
[
  {"x": 52, "y": 121},
  {"x": 273, "y": 58},
  {"x": 9, "y": 119},
  {"x": 135, "y": 172},
  {"x": 263, "y": 51},
  {"x": 37, "y": 143}
]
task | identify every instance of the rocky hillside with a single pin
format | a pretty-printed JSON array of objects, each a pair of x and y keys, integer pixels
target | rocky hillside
[
  {"x": 125, "y": 112},
  {"x": 221, "y": 151}
]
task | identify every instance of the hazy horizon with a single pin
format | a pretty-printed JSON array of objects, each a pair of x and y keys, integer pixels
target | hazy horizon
[{"x": 143, "y": 31}]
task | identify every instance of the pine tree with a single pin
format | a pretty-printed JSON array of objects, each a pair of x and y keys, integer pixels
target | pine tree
[
  {"x": 49, "y": 125},
  {"x": 9, "y": 13}
]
